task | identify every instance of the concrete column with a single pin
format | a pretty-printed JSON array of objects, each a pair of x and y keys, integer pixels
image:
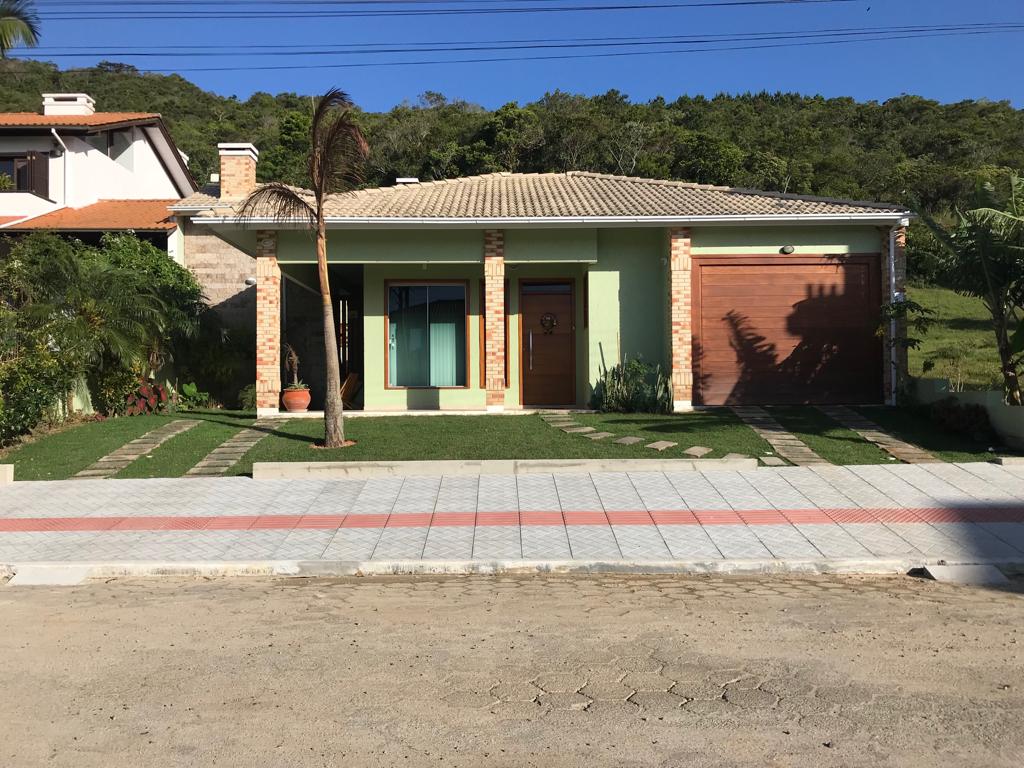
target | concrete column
[
  {"x": 268, "y": 324},
  {"x": 494, "y": 318},
  {"x": 680, "y": 320}
]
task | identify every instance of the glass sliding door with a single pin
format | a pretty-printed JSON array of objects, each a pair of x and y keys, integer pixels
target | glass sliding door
[{"x": 427, "y": 335}]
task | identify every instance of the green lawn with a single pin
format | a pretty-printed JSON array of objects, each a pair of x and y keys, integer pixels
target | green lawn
[
  {"x": 403, "y": 438},
  {"x": 179, "y": 454},
  {"x": 827, "y": 438},
  {"x": 62, "y": 454},
  {"x": 914, "y": 426},
  {"x": 961, "y": 340}
]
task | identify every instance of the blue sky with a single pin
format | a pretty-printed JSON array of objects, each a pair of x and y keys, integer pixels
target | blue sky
[{"x": 946, "y": 68}]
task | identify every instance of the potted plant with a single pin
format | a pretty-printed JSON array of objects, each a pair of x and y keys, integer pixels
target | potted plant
[{"x": 296, "y": 395}]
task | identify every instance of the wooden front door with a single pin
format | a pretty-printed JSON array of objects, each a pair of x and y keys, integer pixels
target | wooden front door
[{"x": 548, "y": 333}]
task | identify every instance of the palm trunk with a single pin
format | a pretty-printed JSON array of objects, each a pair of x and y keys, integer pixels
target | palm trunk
[
  {"x": 1011, "y": 382},
  {"x": 334, "y": 424}
]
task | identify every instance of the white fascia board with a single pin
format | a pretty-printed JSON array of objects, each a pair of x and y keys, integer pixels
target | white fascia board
[{"x": 882, "y": 217}]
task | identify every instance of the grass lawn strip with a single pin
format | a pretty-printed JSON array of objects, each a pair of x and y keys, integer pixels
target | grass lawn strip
[
  {"x": 407, "y": 438},
  {"x": 179, "y": 454},
  {"x": 962, "y": 331},
  {"x": 827, "y": 438},
  {"x": 63, "y": 454},
  {"x": 914, "y": 426}
]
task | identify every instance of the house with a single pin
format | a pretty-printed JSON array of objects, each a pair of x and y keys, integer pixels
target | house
[
  {"x": 73, "y": 170},
  {"x": 513, "y": 291}
]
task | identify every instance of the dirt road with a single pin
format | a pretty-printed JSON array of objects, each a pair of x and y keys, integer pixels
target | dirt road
[{"x": 545, "y": 671}]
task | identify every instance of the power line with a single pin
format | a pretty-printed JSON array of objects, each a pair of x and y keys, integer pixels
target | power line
[
  {"x": 140, "y": 12},
  {"x": 509, "y": 45},
  {"x": 230, "y": 49},
  {"x": 565, "y": 56}
]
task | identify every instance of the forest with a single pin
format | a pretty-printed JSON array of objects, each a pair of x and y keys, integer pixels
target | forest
[{"x": 907, "y": 149}]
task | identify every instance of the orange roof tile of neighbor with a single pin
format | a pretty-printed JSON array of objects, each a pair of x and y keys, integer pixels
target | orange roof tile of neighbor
[
  {"x": 96, "y": 120},
  {"x": 575, "y": 194},
  {"x": 105, "y": 215}
]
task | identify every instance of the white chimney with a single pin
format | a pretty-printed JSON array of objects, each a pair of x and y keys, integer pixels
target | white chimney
[{"x": 68, "y": 104}]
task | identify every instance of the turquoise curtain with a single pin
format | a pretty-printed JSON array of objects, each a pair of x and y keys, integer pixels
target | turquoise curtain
[
  {"x": 427, "y": 336},
  {"x": 447, "y": 342}
]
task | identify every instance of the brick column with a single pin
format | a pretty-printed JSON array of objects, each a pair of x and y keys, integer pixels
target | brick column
[
  {"x": 889, "y": 372},
  {"x": 494, "y": 318},
  {"x": 679, "y": 317},
  {"x": 268, "y": 323}
]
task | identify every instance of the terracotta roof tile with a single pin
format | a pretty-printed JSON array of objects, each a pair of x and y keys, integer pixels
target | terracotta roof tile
[
  {"x": 573, "y": 194},
  {"x": 105, "y": 215},
  {"x": 98, "y": 119}
]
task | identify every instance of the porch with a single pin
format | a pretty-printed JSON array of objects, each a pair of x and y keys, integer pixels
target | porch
[{"x": 462, "y": 320}]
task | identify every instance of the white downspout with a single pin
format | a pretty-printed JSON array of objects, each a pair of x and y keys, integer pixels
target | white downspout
[
  {"x": 895, "y": 297},
  {"x": 67, "y": 165}
]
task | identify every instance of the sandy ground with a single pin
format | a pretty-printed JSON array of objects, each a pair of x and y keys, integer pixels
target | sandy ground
[{"x": 546, "y": 671}]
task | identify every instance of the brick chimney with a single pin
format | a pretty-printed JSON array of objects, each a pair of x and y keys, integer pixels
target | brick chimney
[
  {"x": 237, "y": 170},
  {"x": 65, "y": 104}
]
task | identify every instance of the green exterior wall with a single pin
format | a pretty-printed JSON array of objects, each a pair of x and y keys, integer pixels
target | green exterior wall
[
  {"x": 620, "y": 278},
  {"x": 707, "y": 241}
]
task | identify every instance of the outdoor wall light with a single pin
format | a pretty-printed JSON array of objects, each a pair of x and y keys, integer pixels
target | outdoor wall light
[
  {"x": 787, "y": 249},
  {"x": 250, "y": 281}
]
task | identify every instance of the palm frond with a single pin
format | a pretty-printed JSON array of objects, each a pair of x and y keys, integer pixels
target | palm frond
[
  {"x": 19, "y": 24},
  {"x": 338, "y": 147},
  {"x": 278, "y": 201}
]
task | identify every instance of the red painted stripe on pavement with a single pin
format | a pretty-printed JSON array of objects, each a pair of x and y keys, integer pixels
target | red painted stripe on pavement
[
  {"x": 540, "y": 518},
  {"x": 629, "y": 518},
  {"x": 673, "y": 517},
  {"x": 446, "y": 519},
  {"x": 585, "y": 518},
  {"x": 497, "y": 518},
  {"x": 364, "y": 521},
  {"x": 409, "y": 520}
]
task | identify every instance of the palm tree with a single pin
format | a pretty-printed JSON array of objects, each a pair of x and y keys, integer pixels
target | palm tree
[
  {"x": 19, "y": 25},
  {"x": 336, "y": 150},
  {"x": 983, "y": 256}
]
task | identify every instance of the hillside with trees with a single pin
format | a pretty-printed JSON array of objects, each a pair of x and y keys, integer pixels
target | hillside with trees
[{"x": 907, "y": 149}]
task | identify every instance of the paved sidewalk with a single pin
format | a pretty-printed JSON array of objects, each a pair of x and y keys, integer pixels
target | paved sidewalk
[{"x": 857, "y": 518}]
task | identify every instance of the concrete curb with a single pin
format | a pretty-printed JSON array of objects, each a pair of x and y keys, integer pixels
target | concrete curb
[
  {"x": 289, "y": 470},
  {"x": 340, "y": 568},
  {"x": 6, "y": 473}
]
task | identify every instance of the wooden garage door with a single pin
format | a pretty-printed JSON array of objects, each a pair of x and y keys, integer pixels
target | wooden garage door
[{"x": 786, "y": 329}]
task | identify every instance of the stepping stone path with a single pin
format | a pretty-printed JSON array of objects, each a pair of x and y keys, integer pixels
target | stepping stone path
[
  {"x": 662, "y": 445},
  {"x": 772, "y": 461},
  {"x": 564, "y": 422},
  {"x": 905, "y": 452},
  {"x": 226, "y": 455},
  {"x": 117, "y": 460},
  {"x": 788, "y": 446}
]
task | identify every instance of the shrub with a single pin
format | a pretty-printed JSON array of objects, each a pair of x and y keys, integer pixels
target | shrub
[
  {"x": 148, "y": 397},
  {"x": 111, "y": 388},
  {"x": 632, "y": 387},
  {"x": 247, "y": 397},
  {"x": 32, "y": 384},
  {"x": 968, "y": 419},
  {"x": 190, "y": 397}
]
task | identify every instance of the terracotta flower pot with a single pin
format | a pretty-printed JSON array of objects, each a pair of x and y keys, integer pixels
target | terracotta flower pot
[{"x": 295, "y": 400}]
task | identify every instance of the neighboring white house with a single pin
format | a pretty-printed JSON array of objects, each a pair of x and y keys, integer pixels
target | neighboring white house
[{"x": 72, "y": 169}]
